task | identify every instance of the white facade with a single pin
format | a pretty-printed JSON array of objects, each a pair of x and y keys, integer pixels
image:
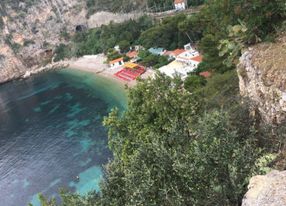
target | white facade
[
  {"x": 180, "y": 5},
  {"x": 117, "y": 64},
  {"x": 188, "y": 47},
  {"x": 176, "y": 68},
  {"x": 186, "y": 57},
  {"x": 185, "y": 63},
  {"x": 117, "y": 48}
]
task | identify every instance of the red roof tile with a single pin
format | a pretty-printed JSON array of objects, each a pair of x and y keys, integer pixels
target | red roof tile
[
  {"x": 179, "y": 1},
  {"x": 174, "y": 53},
  {"x": 178, "y": 52},
  {"x": 132, "y": 54},
  {"x": 116, "y": 60},
  {"x": 167, "y": 53},
  {"x": 197, "y": 58}
]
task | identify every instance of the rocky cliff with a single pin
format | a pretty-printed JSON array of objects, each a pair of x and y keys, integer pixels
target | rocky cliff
[
  {"x": 262, "y": 78},
  {"x": 266, "y": 190},
  {"x": 30, "y": 30}
]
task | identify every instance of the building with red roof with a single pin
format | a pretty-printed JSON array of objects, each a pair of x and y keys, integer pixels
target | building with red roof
[
  {"x": 180, "y": 4},
  {"x": 173, "y": 54},
  {"x": 198, "y": 59},
  {"x": 132, "y": 54},
  {"x": 177, "y": 52},
  {"x": 116, "y": 62}
]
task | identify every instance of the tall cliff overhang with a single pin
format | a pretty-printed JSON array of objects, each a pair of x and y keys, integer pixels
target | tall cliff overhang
[{"x": 262, "y": 79}]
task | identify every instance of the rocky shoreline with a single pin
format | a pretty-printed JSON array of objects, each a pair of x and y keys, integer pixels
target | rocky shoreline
[{"x": 37, "y": 70}]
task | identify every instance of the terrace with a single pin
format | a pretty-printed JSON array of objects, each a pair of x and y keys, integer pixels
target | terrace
[{"x": 130, "y": 72}]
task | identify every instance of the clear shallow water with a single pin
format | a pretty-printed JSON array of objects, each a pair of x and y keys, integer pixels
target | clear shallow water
[{"x": 51, "y": 131}]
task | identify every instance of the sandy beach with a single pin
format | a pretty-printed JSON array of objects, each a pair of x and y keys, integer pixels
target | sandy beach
[{"x": 97, "y": 65}]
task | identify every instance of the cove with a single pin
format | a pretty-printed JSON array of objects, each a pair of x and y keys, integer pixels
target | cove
[{"x": 51, "y": 132}]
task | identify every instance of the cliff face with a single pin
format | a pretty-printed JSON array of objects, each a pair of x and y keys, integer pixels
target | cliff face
[
  {"x": 266, "y": 190},
  {"x": 262, "y": 78},
  {"x": 30, "y": 31}
]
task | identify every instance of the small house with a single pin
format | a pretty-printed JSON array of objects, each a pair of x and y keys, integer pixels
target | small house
[
  {"x": 176, "y": 69},
  {"x": 173, "y": 54},
  {"x": 116, "y": 62},
  {"x": 180, "y": 5},
  {"x": 188, "y": 47},
  {"x": 187, "y": 57},
  {"x": 195, "y": 61},
  {"x": 117, "y": 48},
  {"x": 132, "y": 54}
]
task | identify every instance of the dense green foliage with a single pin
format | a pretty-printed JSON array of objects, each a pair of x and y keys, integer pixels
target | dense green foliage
[
  {"x": 102, "y": 39},
  {"x": 61, "y": 52},
  {"x": 194, "y": 82},
  {"x": 166, "y": 34},
  {"x": 149, "y": 59}
]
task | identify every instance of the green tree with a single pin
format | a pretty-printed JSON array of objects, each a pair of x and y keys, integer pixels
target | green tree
[
  {"x": 124, "y": 45},
  {"x": 165, "y": 34},
  {"x": 113, "y": 54},
  {"x": 182, "y": 162},
  {"x": 62, "y": 51},
  {"x": 194, "y": 82}
]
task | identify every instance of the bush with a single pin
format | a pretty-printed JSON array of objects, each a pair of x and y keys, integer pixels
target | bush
[
  {"x": 194, "y": 82},
  {"x": 61, "y": 52}
]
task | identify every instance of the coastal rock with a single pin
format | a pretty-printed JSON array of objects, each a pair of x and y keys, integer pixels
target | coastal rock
[
  {"x": 27, "y": 74},
  {"x": 266, "y": 190},
  {"x": 262, "y": 78}
]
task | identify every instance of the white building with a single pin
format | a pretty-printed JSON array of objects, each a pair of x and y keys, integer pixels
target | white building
[
  {"x": 176, "y": 68},
  {"x": 185, "y": 63},
  {"x": 116, "y": 62},
  {"x": 190, "y": 57},
  {"x": 180, "y": 4},
  {"x": 117, "y": 48}
]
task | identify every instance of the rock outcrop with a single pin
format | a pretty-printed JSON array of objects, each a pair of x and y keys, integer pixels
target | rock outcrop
[
  {"x": 31, "y": 30},
  {"x": 266, "y": 190},
  {"x": 262, "y": 78}
]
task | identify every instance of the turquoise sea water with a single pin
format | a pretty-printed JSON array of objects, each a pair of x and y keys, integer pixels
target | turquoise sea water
[{"x": 51, "y": 132}]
